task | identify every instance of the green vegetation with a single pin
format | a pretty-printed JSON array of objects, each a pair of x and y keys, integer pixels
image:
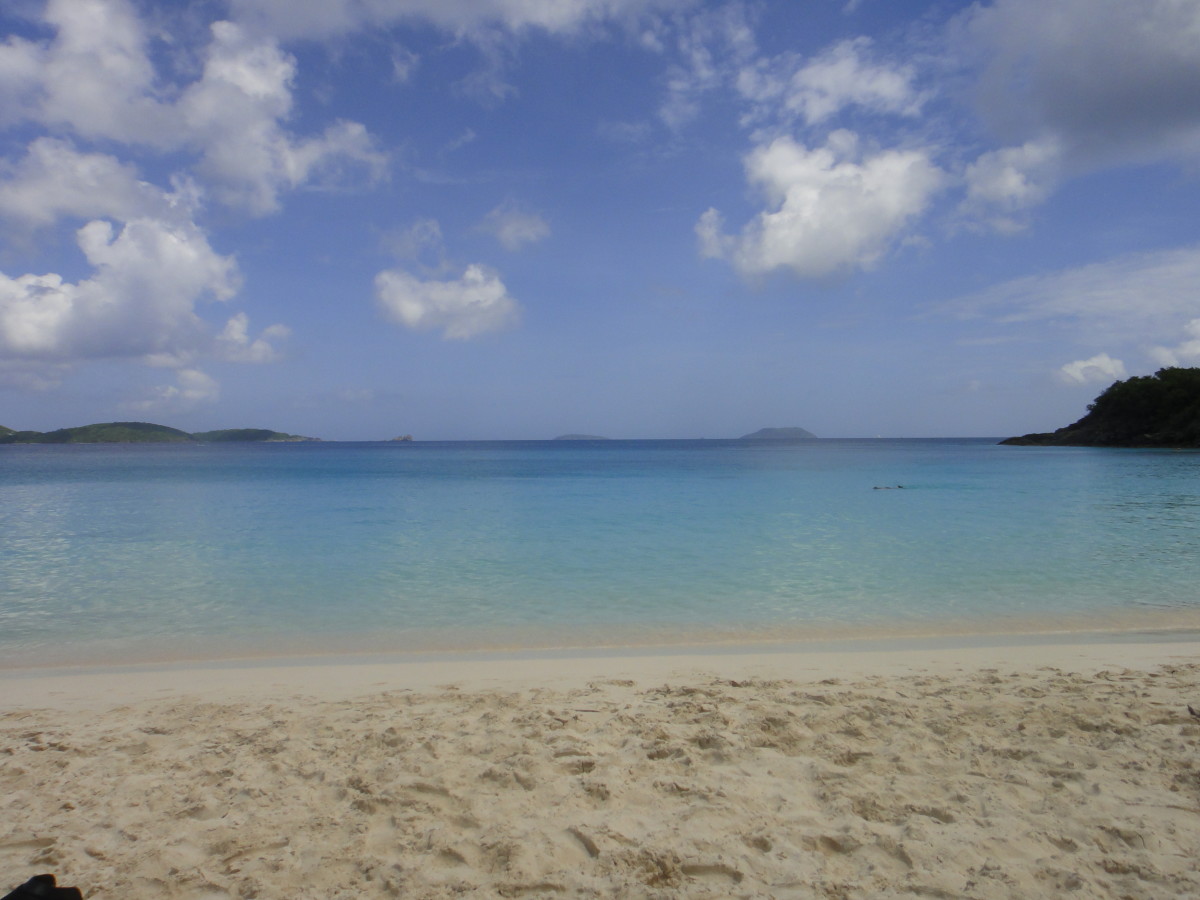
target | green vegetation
[
  {"x": 139, "y": 433},
  {"x": 1159, "y": 410},
  {"x": 103, "y": 433},
  {"x": 247, "y": 434},
  {"x": 779, "y": 434}
]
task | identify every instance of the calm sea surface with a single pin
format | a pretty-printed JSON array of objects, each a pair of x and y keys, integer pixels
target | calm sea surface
[{"x": 136, "y": 552}]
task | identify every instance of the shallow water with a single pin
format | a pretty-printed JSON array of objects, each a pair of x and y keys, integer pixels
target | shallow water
[{"x": 133, "y": 552}]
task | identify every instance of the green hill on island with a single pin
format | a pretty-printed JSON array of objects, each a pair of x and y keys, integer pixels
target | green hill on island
[
  {"x": 140, "y": 433},
  {"x": 1159, "y": 410},
  {"x": 102, "y": 433},
  {"x": 248, "y": 434},
  {"x": 779, "y": 434}
]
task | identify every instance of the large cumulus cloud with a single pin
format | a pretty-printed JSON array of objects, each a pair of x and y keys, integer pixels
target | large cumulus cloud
[
  {"x": 140, "y": 300},
  {"x": 829, "y": 209}
]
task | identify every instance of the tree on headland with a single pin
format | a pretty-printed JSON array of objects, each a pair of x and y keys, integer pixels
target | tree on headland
[{"x": 1159, "y": 410}]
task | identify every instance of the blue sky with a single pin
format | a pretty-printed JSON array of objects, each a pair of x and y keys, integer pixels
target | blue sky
[{"x": 468, "y": 219}]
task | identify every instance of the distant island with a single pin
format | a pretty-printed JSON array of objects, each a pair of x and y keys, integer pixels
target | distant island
[
  {"x": 1159, "y": 410},
  {"x": 250, "y": 434},
  {"x": 580, "y": 437},
  {"x": 779, "y": 434},
  {"x": 143, "y": 433}
]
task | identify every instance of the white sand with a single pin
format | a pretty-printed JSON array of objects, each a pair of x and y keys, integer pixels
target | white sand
[{"x": 1014, "y": 772}]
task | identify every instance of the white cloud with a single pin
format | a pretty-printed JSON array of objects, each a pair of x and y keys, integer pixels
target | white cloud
[
  {"x": 468, "y": 136},
  {"x": 332, "y": 18},
  {"x": 828, "y": 209},
  {"x": 32, "y": 376},
  {"x": 686, "y": 83},
  {"x": 422, "y": 241},
  {"x": 22, "y": 64},
  {"x": 1141, "y": 297},
  {"x": 235, "y": 344},
  {"x": 475, "y": 304},
  {"x": 1186, "y": 353},
  {"x": 1135, "y": 305},
  {"x": 820, "y": 88},
  {"x": 1113, "y": 83},
  {"x": 1100, "y": 368},
  {"x": 713, "y": 242},
  {"x": 513, "y": 227},
  {"x": 140, "y": 300},
  {"x": 95, "y": 77},
  {"x": 1007, "y": 181},
  {"x": 233, "y": 113},
  {"x": 488, "y": 84},
  {"x": 404, "y": 63},
  {"x": 491, "y": 25},
  {"x": 192, "y": 388},
  {"x": 95, "y": 80},
  {"x": 54, "y": 179},
  {"x": 712, "y": 46}
]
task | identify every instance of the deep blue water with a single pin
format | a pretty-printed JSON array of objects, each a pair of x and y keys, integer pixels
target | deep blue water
[{"x": 115, "y": 552}]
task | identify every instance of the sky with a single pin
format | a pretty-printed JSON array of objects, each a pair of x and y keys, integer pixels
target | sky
[{"x": 514, "y": 219}]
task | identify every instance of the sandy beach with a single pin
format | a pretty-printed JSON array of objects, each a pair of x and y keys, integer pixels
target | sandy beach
[{"x": 1030, "y": 770}]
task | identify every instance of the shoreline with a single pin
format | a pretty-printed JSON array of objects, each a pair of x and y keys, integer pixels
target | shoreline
[
  {"x": 253, "y": 650},
  {"x": 341, "y": 676}
]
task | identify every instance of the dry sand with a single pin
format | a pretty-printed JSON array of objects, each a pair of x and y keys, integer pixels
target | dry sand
[{"x": 1014, "y": 772}]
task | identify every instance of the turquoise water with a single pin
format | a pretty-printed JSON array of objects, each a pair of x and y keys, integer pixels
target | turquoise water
[{"x": 138, "y": 552}]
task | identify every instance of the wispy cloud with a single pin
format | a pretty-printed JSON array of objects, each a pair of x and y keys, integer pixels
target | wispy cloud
[
  {"x": 514, "y": 227},
  {"x": 1134, "y": 306},
  {"x": 473, "y": 19},
  {"x": 1139, "y": 297},
  {"x": 192, "y": 388},
  {"x": 791, "y": 86}
]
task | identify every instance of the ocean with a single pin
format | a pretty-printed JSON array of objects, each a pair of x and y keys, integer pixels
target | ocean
[{"x": 136, "y": 553}]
